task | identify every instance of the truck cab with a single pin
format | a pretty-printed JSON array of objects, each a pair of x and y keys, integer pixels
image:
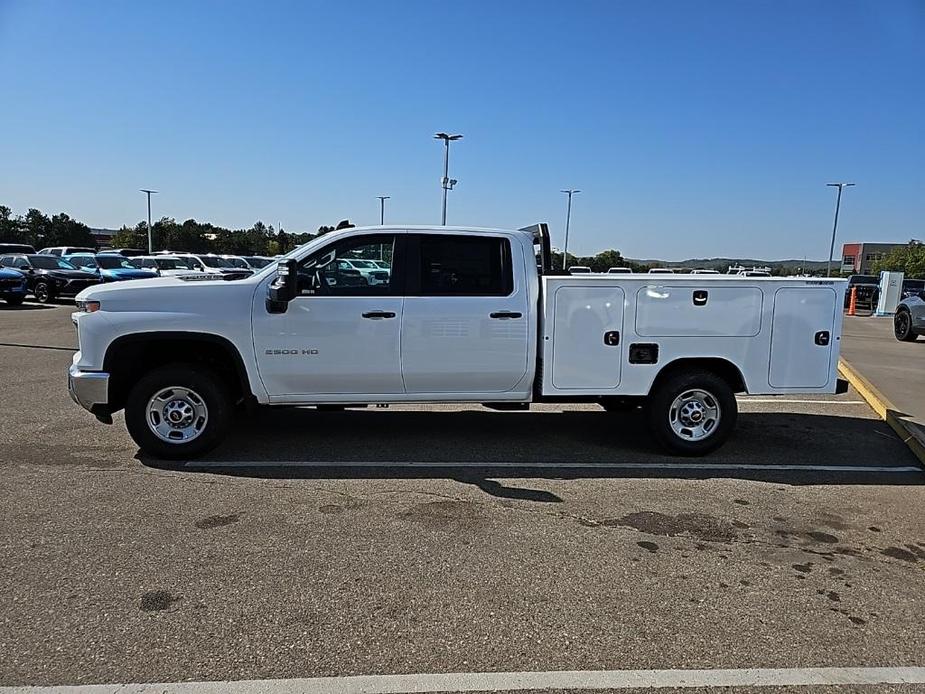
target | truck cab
[{"x": 462, "y": 315}]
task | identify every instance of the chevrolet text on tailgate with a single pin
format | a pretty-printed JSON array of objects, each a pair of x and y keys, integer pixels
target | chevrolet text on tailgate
[{"x": 453, "y": 315}]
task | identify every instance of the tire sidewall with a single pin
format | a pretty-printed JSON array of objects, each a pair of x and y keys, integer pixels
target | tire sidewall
[
  {"x": 47, "y": 293},
  {"x": 907, "y": 335},
  {"x": 670, "y": 388},
  {"x": 205, "y": 383}
]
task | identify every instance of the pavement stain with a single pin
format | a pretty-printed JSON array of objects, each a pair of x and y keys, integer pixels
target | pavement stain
[
  {"x": 210, "y": 522},
  {"x": 648, "y": 546},
  {"x": 445, "y": 515},
  {"x": 803, "y": 568},
  {"x": 158, "y": 600},
  {"x": 899, "y": 553},
  {"x": 700, "y": 526}
]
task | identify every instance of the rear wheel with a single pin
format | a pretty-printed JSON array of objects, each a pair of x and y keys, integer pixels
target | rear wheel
[
  {"x": 177, "y": 412},
  {"x": 902, "y": 326},
  {"x": 692, "y": 412}
]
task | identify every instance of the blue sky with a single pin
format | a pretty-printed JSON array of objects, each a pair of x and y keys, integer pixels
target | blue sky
[{"x": 692, "y": 128}]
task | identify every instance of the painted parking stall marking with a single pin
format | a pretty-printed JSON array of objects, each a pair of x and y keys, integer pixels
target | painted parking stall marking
[{"x": 516, "y": 681}]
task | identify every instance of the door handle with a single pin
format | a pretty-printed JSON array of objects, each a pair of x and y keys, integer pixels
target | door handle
[
  {"x": 503, "y": 315},
  {"x": 822, "y": 338},
  {"x": 378, "y": 315}
]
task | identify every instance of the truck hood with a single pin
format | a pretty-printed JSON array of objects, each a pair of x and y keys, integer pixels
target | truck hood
[{"x": 183, "y": 294}]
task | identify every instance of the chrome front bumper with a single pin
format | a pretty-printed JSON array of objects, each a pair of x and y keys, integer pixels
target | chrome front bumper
[{"x": 88, "y": 388}]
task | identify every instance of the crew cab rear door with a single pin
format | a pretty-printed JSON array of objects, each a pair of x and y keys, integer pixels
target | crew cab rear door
[{"x": 465, "y": 326}]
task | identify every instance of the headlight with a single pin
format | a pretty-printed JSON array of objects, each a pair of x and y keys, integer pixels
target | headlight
[{"x": 88, "y": 306}]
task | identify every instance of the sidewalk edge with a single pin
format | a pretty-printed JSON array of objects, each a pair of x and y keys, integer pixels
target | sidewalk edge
[{"x": 885, "y": 409}]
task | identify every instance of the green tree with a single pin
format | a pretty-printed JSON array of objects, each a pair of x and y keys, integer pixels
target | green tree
[
  {"x": 11, "y": 228},
  {"x": 64, "y": 231},
  {"x": 37, "y": 227},
  {"x": 909, "y": 259}
]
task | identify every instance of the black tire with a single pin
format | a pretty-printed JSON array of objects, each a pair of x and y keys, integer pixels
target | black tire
[
  {"x": 205, "y": 384},
  {"x": 15, "y": 300},
  {"x": 43, "y": 292},
  {"x": 659, "y": 411},
  {"x": 902, "y": 326}
]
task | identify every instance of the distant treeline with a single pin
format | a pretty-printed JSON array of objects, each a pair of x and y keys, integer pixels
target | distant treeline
[{"x": 40, "y": 231}]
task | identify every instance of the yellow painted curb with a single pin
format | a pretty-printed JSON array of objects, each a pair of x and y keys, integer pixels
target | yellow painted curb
[{"x": 885, "y": 409}]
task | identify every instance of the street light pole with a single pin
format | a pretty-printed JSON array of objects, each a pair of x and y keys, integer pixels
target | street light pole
[
  {"x": 148, "y": 193},
  {"x": 382, "y": 199},
  {"x": 568, "y": 218},
  {"x": 446, "y": 182},
  {"x": 840, "y": 186}
]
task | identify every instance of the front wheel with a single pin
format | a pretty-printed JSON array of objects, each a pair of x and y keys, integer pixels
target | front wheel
[
  {"x": 42, "y": 292},
  {"x": 177, "y": 412},
  {"x": 902, "y": 326},
  {"x": 692, "y": 412}
]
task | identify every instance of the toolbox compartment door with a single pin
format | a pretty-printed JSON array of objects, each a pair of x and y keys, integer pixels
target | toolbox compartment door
[
  {"x": 586, "y": 352},
  {"x": 802, "y": 337},
  {"x": 698, "y": 310}
]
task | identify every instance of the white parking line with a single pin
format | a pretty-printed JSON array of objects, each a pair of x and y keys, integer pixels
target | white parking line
[
  {"x": 515, "y": 681},
  {"x": 528, "y": 464}
]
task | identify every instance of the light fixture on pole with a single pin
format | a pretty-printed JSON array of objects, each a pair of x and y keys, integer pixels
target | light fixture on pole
[
  {"x": 568, "y": 218},
  {"x": 840, "y": 186},
  {"x": 149, "y": 193},
  {"x": 446, "y": 182},
  {"x": 382, "y": 199}
]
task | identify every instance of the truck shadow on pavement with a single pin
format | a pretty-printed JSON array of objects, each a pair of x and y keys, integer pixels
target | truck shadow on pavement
[{"x": 480, "y": 446}]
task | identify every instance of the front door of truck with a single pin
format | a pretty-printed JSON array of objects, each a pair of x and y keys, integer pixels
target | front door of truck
[
  {"x": 465, "y": 326},
  {"x": 341, "y": 334}
]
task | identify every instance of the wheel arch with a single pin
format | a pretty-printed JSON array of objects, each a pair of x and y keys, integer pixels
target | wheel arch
[
  {"x": 128, "y": 357},
  {"x": 720, "y": 366}
]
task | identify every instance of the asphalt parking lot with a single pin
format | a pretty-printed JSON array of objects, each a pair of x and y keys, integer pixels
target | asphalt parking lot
[{"x": 446, "y": 539}]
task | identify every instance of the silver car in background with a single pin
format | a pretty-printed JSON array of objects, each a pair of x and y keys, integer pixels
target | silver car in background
[{"x": 909, "y": 319}]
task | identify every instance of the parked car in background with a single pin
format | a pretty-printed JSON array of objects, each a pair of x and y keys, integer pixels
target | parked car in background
[
  {"x": 372, "y": 273},
  {"x": 215, "y": 263},
  {"x": 868, "y": 287},
  {"x": 620, "y": 271},
  {"x": 66, "y": 250},
  {"x": 912, "y": 288},
  {"x": 48, "y": 277},
  {"x": 13, "y": 288},
  {"x": 127, "y": 252},
  {"x": 705, "y": 272},
  {"x": 236, "y": 261},
  {"x": 661, "y": 271},
  {"x": 257, "y": 262},
  {"x": 172, "y": 265},
  {"x": 909, "y": 319},
  {"x": 754, "y": 273},
  {"x": 16, "y": 248},
  {"x": 382, "y": 264},
  {"x": 109, "y": 266},
  {"x": 579, "y": 270}
]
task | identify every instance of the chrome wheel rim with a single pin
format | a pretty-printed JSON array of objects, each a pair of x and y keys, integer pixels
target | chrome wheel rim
[
  {"x": 694, "y": 415},
  {"x": 177, "y": 415},
  {"x": 41, "y": 292}
]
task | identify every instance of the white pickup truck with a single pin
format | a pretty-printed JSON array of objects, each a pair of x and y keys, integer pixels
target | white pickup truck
[{"x": 466, "y": 315}]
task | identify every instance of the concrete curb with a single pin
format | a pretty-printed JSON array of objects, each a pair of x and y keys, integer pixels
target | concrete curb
[{"x": 909, "y": 434}]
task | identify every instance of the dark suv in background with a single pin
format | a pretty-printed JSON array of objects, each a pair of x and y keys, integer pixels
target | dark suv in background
[{"x": 48, "y": 276}]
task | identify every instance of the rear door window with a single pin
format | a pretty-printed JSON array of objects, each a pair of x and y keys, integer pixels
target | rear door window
[{"x": 458, "y": 265}]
